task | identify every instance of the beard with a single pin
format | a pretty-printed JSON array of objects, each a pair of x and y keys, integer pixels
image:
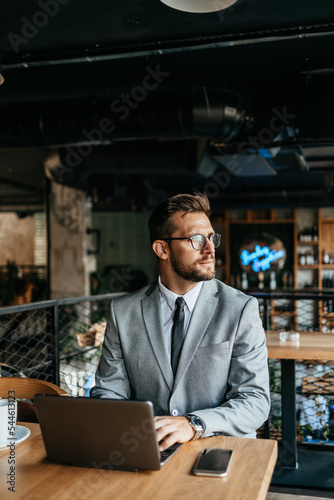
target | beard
[{"x": 191, "y": 272}]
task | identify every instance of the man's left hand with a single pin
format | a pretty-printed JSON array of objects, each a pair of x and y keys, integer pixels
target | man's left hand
[{"x": 172, "y": 430}]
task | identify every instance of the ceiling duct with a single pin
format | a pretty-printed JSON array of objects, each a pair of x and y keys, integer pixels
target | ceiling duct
[
  {"x": 77, "y": 165},
  {"x": 187, "y": 113}
]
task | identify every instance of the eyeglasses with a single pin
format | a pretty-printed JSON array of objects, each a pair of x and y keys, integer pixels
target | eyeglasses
[{"x": 198, "y": 241}]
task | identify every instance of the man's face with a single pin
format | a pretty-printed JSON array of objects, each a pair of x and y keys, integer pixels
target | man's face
[{"x": 187, "y": 263}]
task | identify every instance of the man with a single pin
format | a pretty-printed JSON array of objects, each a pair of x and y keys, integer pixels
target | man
[{"x": 219, "y": 381}]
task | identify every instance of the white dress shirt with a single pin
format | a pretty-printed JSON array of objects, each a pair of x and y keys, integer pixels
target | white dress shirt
[{"x": 168, "y": 307}]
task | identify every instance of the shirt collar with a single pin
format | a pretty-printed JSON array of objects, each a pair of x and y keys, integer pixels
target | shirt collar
[{"x": 189, "y": 297}]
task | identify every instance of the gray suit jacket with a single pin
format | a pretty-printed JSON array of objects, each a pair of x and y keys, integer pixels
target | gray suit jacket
[{"x": 222, "y": 375}]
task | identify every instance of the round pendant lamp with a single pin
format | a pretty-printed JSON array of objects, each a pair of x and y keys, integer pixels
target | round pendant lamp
[{"x": 199, "y": 6}]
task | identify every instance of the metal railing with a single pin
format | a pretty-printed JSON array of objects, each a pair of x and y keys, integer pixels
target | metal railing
[
  {"x": 47, "y": 340},
  {"x": 60, "y": 341}
]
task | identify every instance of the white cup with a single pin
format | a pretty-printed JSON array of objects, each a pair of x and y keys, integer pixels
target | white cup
[
  {"x": 8, "y": 415},
  {"x": 289, "y": 335}
]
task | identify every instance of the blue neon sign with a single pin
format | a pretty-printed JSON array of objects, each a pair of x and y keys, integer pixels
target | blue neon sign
[{"x": 268, "y": 256}]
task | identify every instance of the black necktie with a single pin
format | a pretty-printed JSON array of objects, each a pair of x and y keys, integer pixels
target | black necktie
[{"x": 177, "y": 332}]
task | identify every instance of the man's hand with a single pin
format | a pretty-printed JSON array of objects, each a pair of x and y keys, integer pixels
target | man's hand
[{"x": 172, "y": 430}]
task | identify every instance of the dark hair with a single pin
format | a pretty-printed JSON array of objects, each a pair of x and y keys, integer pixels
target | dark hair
[{"x": 161, "y": 224}]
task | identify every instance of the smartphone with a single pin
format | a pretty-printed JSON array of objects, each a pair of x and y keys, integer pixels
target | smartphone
[{"x": 213, "y": 462}]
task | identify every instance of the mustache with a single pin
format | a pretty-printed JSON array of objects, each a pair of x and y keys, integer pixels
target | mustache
[{"x": 210, "y": 259}]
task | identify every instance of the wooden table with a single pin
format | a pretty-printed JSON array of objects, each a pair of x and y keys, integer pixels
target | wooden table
[
  {"x": 319, "y": 346},
  {"x": 312, "y": 346},
  {"x": 37, "y": 478}
]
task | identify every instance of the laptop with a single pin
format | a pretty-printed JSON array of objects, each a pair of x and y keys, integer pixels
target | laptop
[{"x": 100, "y": 433}]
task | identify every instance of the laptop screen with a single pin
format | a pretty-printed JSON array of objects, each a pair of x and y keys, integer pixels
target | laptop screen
[{"x": 103, "y": 433}]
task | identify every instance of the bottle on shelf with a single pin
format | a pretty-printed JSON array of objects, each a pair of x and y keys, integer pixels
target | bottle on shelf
[
  {"x": 325, "y": 257},
  {"x": 309, "y": 258},
  {"x": 287, "y": 279},
  {"x": 244, "y": 283},
  {"x": 328, "y": 304},
  {"x": 273, "y": 283},
  {"x": 328, "y": 281},
  {"x": 315, "y": 233},
  {"x": 316, "y": 255},
  {"x": 261, "y": 278},
  {"x": 290, "y": 280},
  {"x": 307, "y": 234},
  {"x": 302, "y": 259}
]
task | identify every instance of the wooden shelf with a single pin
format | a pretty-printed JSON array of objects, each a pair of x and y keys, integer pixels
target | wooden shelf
[
  {"x": 325, "y": 242},
  {"x": 289, "y": 314},
  {"x": 306, "y": 243},
  {"x": 326, "y": 315},
  {"x": 313, "y": 266}
]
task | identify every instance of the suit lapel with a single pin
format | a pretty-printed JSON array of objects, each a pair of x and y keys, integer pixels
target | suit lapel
[
  {"x": 152, "y": 319},
  {"x": 206, "y": 303}
]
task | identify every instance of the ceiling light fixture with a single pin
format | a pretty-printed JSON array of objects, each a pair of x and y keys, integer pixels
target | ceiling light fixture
[{"x": 199, "y": 6}]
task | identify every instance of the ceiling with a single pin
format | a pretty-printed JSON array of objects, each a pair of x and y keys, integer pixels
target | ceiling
[{"x": 133, "y": 101}]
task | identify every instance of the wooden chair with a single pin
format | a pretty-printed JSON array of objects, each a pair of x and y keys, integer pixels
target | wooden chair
[{"x": 26, "y": 388}]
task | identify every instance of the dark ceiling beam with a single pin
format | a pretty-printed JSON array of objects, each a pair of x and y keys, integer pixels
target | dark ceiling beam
[
  {"x": 192, "y": 112},
  {"x": 158, "y": 48},
  {"x": 21, "y": 204},
  {"x": 20, "y": 185}
]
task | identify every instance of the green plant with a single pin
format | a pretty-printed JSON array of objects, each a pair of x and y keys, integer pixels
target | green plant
[
  {"x": 321, "y": 432},
  {"x": 275, "y": 375}
]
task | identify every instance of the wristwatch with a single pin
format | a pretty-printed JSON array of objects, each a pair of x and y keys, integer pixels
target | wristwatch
[{"x": 197, "y": 424}]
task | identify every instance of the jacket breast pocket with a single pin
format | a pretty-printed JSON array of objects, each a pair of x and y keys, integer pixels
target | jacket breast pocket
[{"x": 213, "y": 348}]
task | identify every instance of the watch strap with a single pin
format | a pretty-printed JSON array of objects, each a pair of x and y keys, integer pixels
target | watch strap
[{"x": 197, "y": 424}]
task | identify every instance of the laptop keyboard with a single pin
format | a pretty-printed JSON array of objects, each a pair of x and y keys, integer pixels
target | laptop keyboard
[{"x": 166, "y": 454}]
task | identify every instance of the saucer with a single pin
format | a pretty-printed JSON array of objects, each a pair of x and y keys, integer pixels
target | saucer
[{"x": 21, "y": 433}]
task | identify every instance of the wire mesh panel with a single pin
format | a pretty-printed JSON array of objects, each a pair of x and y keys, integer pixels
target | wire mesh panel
[
  {"x": 315, "y": 401},
  {"x": 282, "y": 313},
  {"x": 307, "y": 318},
  {"x": 28, "y": 341},
  {"x": 58, "y": 341},
  {"x": 82, "y": 324},
  {"x": 314, "y": 379}
]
